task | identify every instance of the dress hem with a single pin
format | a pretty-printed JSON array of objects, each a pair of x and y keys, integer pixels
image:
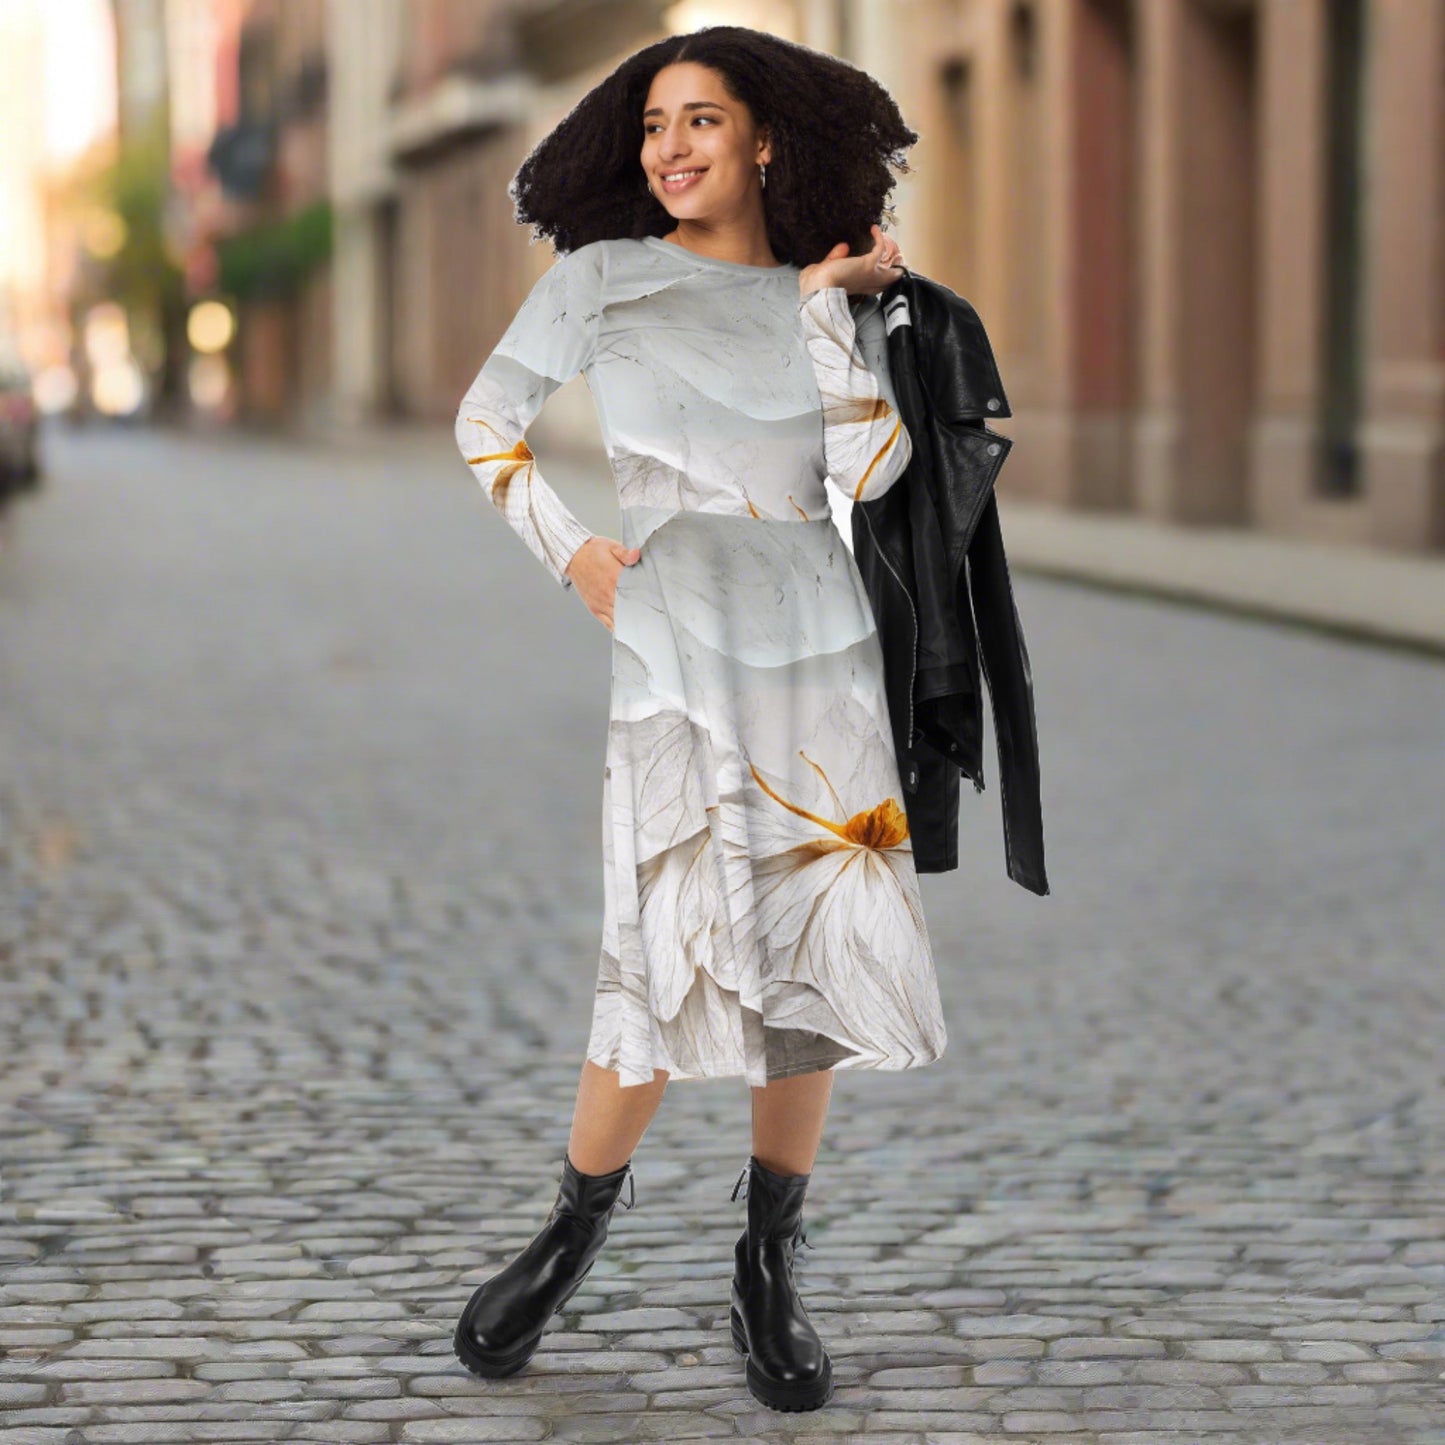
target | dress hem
[{"x": 890, "y": 1064}]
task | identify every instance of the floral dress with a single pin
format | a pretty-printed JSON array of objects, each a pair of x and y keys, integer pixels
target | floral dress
[{"x": 761, "y": 907}]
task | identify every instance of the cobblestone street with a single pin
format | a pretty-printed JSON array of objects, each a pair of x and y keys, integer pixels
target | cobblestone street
[{"x": 300, "y": 897}]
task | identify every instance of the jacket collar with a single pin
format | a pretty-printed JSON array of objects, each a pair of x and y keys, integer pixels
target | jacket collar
[{"x": 962, "y": 377}]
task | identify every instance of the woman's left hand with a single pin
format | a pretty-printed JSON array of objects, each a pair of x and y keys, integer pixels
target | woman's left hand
[{"x": 858, "y": 275}]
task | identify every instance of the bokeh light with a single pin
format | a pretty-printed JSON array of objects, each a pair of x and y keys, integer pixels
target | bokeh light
[{"x": 210, "y": 326}]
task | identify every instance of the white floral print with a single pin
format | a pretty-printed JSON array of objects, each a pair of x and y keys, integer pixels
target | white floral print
[{"x": 761, "y": 911}]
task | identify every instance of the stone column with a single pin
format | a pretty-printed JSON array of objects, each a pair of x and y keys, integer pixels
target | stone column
[{"x": 1404, "y": 430}]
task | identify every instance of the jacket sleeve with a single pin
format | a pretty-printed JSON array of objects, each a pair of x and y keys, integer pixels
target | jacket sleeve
[
  {"x": 865, "y": 444},
  {"x": 550, "y": 340}
]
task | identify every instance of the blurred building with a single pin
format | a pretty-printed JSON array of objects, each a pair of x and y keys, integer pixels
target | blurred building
[
  {"x": 22, "y": 156},
  {"x": 364, "y": 47},
  {"x": 435, "y": 105},
  {"x": 273, "y": 228},
  {"x": 143, "y": 76},
  {"x": 1207, "y": 237},
  {"x": 477, "y": 85}
]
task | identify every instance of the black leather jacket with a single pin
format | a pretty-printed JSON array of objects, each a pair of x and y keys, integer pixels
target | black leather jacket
[{"x": 931, "y": 555}]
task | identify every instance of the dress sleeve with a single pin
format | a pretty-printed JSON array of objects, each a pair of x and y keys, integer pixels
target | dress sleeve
[
  {"x": 550, "y": 340},
  {"x": 865, "y": 444}
]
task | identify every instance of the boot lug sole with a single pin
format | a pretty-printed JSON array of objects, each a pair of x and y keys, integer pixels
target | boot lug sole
[
  {"x": 780, "y": 1394},
  {"x": 496, "y": 1367}
]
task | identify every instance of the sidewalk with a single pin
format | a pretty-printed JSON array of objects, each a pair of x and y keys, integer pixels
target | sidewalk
[{"x": 1378, "y": 595}]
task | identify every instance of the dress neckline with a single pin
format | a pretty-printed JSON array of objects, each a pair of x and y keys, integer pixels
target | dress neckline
[{"x": 685, "y": 254}]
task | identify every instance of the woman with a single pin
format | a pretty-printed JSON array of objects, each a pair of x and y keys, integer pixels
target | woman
[{"x": 762, "y": 915}]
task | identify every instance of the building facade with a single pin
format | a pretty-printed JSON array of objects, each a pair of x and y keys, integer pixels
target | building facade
[{"x": 1207, "y": 237}]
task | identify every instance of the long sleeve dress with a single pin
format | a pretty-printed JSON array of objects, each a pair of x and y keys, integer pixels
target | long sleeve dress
[{"x": 761, "y": 912}]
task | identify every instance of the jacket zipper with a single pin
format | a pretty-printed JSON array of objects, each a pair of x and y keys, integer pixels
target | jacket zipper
[{"x": 913, "y": 672}]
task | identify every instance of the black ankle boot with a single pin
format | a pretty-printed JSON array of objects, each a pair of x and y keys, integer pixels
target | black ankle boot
[
  {"x": 502, "y": 1325},
  {"x": 788, "y": 1368}
]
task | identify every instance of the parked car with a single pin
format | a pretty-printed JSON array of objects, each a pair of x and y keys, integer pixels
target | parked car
[{"x": 19, "y": 422}]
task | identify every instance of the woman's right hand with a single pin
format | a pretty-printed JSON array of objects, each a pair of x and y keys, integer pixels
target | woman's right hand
[{"x": 594, "y": 569}]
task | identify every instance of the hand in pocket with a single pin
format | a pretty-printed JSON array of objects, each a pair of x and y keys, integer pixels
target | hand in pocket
[{"x": 595, "y": 568}]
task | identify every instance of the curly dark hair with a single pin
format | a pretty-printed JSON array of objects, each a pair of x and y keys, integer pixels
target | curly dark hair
[{"x": 836, "y": 135}]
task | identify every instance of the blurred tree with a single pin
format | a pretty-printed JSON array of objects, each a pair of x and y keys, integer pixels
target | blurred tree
[
  {"x": 145, "y": 275},
  {"x": 123, "y": 202},
  {"x": 271, "y": 259}
]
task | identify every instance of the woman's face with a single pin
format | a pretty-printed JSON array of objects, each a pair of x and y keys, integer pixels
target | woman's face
[{"x": 694, "y": 130}]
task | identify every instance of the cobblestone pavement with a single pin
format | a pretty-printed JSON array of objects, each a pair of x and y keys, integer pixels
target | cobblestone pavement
[{"x": 300, "y": 778}]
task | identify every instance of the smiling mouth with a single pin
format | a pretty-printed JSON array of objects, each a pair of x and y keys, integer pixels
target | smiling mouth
[{"x": 680, "y": 180}]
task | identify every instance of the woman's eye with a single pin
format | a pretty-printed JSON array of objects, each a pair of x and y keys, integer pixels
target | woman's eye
[{"x": 710, "y": 119}]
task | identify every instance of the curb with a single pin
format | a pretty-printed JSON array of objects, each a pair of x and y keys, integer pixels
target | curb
[{"x": 1356, "y": 592}]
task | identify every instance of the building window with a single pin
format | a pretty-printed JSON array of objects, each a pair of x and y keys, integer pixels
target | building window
[
  {"x": 1341, "y": 388},
  {"x": 1023, "y": 39}
]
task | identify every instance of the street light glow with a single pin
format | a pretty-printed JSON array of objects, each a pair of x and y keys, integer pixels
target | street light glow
[{"x": 210, "y": 326}]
